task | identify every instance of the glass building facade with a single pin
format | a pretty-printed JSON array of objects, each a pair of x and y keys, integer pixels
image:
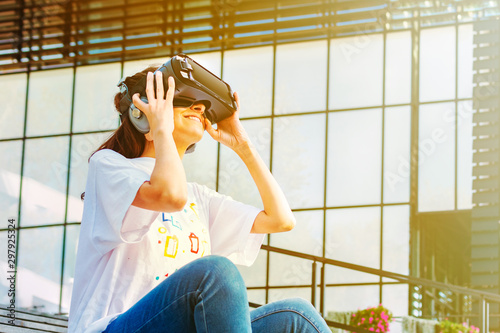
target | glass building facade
[{"x": 335, "y": 118}]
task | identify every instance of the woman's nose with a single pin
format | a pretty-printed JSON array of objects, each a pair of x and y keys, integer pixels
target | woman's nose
[{"x": 198, "y": 107}]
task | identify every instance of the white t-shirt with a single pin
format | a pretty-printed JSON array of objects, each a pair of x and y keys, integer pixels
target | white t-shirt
[{"x": 125, "y": 251}]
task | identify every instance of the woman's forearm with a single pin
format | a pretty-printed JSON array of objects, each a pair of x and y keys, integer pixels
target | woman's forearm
[
  {"x": 166, "y": 191},
  {"x": 277, "y": 215}
]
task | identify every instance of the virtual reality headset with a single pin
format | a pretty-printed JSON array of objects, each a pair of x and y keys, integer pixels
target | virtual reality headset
[{"x": 193, "y": 84}]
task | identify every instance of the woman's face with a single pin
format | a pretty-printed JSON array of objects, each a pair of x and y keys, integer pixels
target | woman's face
[{"x": 189, "y": 123}]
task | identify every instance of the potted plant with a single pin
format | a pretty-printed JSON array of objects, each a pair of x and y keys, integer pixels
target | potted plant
[{"x": 375, "y": 319}]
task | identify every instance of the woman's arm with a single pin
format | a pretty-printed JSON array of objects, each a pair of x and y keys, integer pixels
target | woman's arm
[
  {"x": 166, "y": 191},
  {"x": 277, "y": 215}
]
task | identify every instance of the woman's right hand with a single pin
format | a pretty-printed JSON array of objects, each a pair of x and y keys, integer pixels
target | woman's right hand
[{"x": 159, "y": 110}]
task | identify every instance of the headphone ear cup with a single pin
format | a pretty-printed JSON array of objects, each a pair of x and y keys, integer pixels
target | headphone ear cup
[{"x": 138, "y": 118}]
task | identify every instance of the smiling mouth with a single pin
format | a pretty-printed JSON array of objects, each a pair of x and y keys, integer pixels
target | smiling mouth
[{"x": 195, "y": 118}]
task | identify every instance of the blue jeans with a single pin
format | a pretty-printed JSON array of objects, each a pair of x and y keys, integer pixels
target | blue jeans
[{"x": 209, "y": 295}]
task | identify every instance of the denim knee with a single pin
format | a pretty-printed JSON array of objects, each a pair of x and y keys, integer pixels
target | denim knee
[{"x": 223, "y": 271}]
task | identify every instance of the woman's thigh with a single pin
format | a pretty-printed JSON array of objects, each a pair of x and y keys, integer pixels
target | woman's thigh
[
  {"x": 288, "y": 316},
  {"x": 196, "y": 298}
]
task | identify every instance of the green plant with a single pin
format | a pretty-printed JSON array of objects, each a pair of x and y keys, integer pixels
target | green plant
[
  {"x": 375, "y": 319},
  {"x": 447, "y": 326}
]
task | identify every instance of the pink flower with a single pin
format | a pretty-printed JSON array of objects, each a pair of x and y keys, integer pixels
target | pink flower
[
  {"x": 384, "y": 316},
  {"x": 354, "y": 315},
  {"x": 372, "y": 313},
  {"x": 371, "y": 320},
  {"x": 363, "y": 320},
  {"x": 371, "y": 329}
]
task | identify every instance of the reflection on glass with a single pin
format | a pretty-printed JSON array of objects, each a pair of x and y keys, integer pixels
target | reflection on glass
[
  {"x": 257, "y": 296},
  {"x": 342, "y": 299},
  {"x": 306, "y": 237},
  {"x": 250, "y": 73},
  {"x": 44, "y": 181},
  {"x": 72, "y": 232},
  {"x": 95, "y": 88},
  {"x": 356, "y": 65},
  {"x": 397, "y": 154},
  {"x": 353, "y": 235},
  {"x": 398, "y": 68},
  {"x": 201, "y": 165},
  {"x": 339, "y": 275},
  {"x": 354, "y": 157},
  {"x": 298, "y": 158},
  {"x": 437, "y": 69},
  {"x": 288, "y": 271},
  {"x": 82, "y": 147},
  {"x": 283, "y": 293},
  {"x": 396, "y": 246},
  {"x": 49, "y": 102},
  {"x": 395, "y": 298},
  {"x": 464, "y": 158},
  {"x": 13, "y": 107},
  {"x": 436, "y": 157},
  {"x": 211, "y": 61},
  {"x": 134, "y": 66},
  {"x": 465, "y": 60},
  {"x": 234, "y": 178},
  {"x": 39, "y": 268},
  {"x": 10, "y": 169},
  {"x": 4, "y": 283},
  {"x": 255, "y": 275},
  {"x": 300, "y": 77}
]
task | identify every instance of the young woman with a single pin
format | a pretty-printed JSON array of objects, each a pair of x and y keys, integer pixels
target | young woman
[{"x": 157, "y": 254}]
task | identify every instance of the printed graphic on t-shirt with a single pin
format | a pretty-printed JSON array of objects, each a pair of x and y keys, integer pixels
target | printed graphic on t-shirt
[{"x": 182, "y": 238}]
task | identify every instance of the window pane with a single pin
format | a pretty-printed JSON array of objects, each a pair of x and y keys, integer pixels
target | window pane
[
  {"x": 437, "y": 69},
  {"x": 288, "y": 271},
  {"x": 255, "y": 275},
  {"x": 234, "y": 178},
  {"x": 395, "y": 298},
  {"x": 211, "y": 61},
  {"x": 398, "y": 68},
  {"x": 354, "y": 157},
  {"x": 4, "y": 283},
  {"x": 95, "y": 88},
  {"x": 298, "y": 159},
  {"x": 464, "y": 158},
  {"x": 342, "y": 299},
  {"x": 353, "y": 235},
  {"x": 257, "y": 296},
  {"x": 49, "y": 102},
  {"x": 201, "y": 165},
  {"x": 44, "y": 181},
  {"x": 10, "y": 170},
  {"x": 436, "y": 155},
  {"x": 334, "y": 274},
  {"x": 396, "y": 246},
  {"x": 13, "y": 107},
  {"x": 132, "y": 67},
  {"x": 300, "y": 80},
  {"x": 397, "y": 154},
  {"x": 465, "y": 60},
  {"x": 250, "y": 73},
  {"x": 81, "y": 148},
  {"x": 283, "y": 293},
  {"x": 72, "y": 232},
  {"x": 351, "y": 59},
  {"x": 39, "y": 268},
  {"x": 306, "y": 237}
]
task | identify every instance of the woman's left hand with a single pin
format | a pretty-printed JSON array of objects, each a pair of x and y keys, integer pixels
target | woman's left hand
[{"x": 229, "y": 131}]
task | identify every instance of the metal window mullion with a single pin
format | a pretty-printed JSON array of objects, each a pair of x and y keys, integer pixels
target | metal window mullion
[
  {"x": 414, "y": 136},
  {"x": 456, "y": 111},
  {"x": 68, "y": 175},
  {"x": 382, "y": 163}
]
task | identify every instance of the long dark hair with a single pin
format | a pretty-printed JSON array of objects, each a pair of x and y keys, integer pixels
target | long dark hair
[{"x": 126, "y": 139}]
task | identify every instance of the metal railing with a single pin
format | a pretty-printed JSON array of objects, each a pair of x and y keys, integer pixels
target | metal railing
[{"x": 484, "y": 298}]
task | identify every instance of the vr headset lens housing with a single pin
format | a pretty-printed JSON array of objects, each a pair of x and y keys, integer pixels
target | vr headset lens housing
[{"x": 193, "y": 84}]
